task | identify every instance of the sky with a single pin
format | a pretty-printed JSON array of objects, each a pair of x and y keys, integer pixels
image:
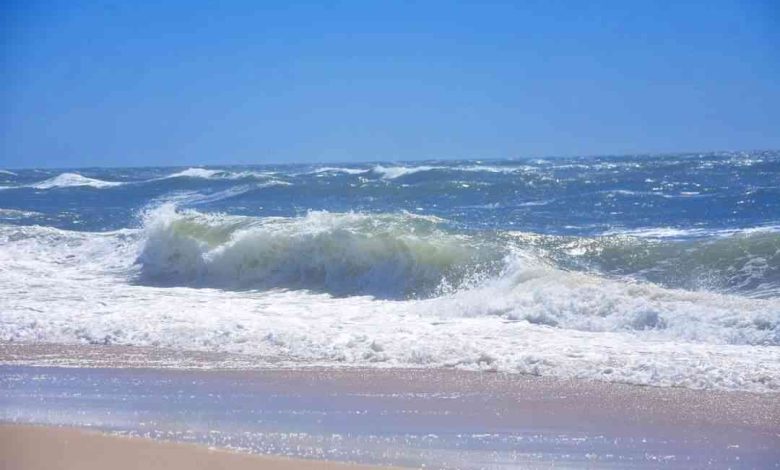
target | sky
[{"x": 196, "y": 82}]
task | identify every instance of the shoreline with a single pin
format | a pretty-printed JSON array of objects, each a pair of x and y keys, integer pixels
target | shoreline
[
  {"x": 399, "y": 417},
  {"x": 93, "y": 356},
  {"x": 29, "y": 447}
]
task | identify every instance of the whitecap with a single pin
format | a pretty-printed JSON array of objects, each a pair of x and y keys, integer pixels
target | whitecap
[
  {"x": 214, "y": 174},
  {"x": 393, "y": 172},
  {"x": 70, "y": 180}
]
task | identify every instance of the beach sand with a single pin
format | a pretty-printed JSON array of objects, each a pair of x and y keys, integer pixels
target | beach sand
[
  {"x": 47, "y": 448},
  {"x": 401, "y": 417}
]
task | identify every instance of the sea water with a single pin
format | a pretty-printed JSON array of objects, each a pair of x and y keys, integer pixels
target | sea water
[{"x": 654, "y": 270}]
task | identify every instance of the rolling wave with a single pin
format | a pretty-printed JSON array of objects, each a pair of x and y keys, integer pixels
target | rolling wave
[
  {"x": 70, "y": 180},
  {"x": 579, "y": 284},
  {"x": 335, "y": 170},
  {"x": 75, "y": 180},
  {"x": 413, "y": 261},
  {"x": 393, "y": 172},
  {"x": 387, "y": 256},
  {"x": 391, "y": 289},
  {"x": 745, "y": 263},
  {"x": 405, "y": 255},
  {"x": 217, "y": 174}
]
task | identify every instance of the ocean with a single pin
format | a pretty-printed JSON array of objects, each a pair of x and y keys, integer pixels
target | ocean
[{"x": 652, "y": 270}]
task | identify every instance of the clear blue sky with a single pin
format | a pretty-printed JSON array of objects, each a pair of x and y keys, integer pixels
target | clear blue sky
[{"x": 165, "y": 83}]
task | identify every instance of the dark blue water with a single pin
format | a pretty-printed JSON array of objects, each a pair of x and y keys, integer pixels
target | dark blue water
[{"x": 564, "y": 196}]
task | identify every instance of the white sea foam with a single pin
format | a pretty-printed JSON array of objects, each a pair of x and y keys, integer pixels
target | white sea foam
[
  {"x": 684, "y": 233},
  {"x": 17, "y": 214},
  {"x": 7, "y": 172},
  {"x": 530, "y": 317},
  {"x": 69, "y": 180},
  {"x": 195, "y": 173},
  {"x": 393, "y": 172}
]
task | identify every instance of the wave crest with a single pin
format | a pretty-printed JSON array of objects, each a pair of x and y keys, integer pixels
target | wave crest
[
  {"x": 386, "y": 256},
  {"x": 69, "y": 180},
  {"x": 217, "y": 174},
  {"x": 745, "y": 263}
]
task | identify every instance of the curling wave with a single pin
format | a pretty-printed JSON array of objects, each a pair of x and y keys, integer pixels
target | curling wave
[
  {"x": 405, "y": 255},
  {"x": 386, "y": 256},
  {"x": 512, "y": 310},
  {"x": 601, "y": 284}
]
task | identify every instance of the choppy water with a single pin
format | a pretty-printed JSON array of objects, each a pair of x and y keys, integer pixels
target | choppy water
[{"x": 660, "y": 270}]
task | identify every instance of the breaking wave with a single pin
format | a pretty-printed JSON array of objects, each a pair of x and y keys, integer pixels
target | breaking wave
[
  {"x": 216, "y": 174},
  {"x": 387, "y": 256},
  {"x": 745, "y": 263},
  {"x": 396, "y": 289},
  {"x": 344, "y": 170},
  {"x": 606, "y": 284},
  {"x": 406, "y": 255},
  {"x": 393, "y": 172},
  {"x": 70, "y": 180}
]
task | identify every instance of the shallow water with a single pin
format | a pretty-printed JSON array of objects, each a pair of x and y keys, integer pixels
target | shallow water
[{"x": 399, "y": 418}]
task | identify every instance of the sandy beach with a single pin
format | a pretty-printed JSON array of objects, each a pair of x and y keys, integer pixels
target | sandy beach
[
  {"x": 399, "y": 417},
  {"x": 44, "y": 448}
]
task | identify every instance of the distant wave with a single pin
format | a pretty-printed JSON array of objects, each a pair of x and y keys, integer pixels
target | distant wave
[
  {"x": 393, "y": 172},
  {"x": 689, "y": 233},
  {"x": 494, "y": 169},
  {"x": 193, "y": 198},
  {"x": 70, "y": 180},
  {"x": 7, "y": 172},
  {"x": 348, "y": 171},
  {"x": 195, "y": 173},
  {"x": 73, "y": 180},
  {"x": 216, "y": 174},
  {"x": 12, "y": 214}
]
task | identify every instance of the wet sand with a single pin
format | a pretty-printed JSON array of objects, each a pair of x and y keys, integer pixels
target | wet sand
[
  {"x": 402, "y": 417},
  {"x": 46, "y": 448}
]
